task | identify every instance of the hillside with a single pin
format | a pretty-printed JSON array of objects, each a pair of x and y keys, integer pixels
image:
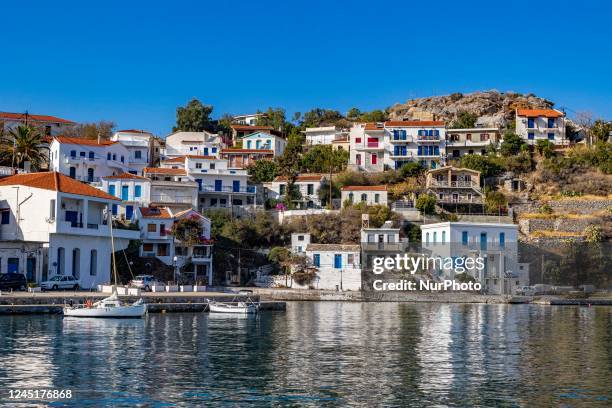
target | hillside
[{"x": 492, "y": 107}]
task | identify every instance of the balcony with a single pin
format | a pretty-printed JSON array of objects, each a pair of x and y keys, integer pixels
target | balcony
[
  {"x": 228, "y": 189},
  {"x": 384, "y": 246},
  {"x": 171, "y": 199},
  {"x": 454, "y": 184},
  {"x": 461, "y": 199},
  {"x": 400, "y": 139},
  {"x": 428, "y": 139}
]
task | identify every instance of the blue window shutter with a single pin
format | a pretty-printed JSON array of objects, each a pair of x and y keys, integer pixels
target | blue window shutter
[
  {"x": 530, "y": 136},
  {"x": 5, "y": 217},
  {"x": 464, "y": 237},
  {"x": 551, "y": 136},
  {"x": 316, "y": 259},
  {"x": 111, "y": 189},
  {"x": 137, "y": 191},
  {"x": 502, "y": 239},
  {"x": 338, "y": 261}
]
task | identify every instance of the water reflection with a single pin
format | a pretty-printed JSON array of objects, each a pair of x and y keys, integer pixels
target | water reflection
[{"x": 328, "y": 353}]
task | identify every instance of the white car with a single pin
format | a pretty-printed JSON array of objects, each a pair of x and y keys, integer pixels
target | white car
[
  {"x": 60, "y": 282},
  {"x": 146, "y": 282}
]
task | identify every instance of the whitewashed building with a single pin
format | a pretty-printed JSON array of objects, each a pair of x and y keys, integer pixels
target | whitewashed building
[
  {"x": 497, "y": 244},
  {"x": 376, "y": 147},
  {"x": 140, "y": 147},
  {"x": 541, "y": 124},
  {"x": 192, "y": 143},
  {"x": 371, "y": 195},
  {"x": 308, "y": 186},
  {"x": 248, "y": 119},
  {"x": 460, "y": 142},
  {"x": 134, "y": 192},
  {"x": 56, "y": 225},
  {"x": 47, "y": 125},
  {"x": 324, "y": 135},
  {"x": 338, "y": 266},
  {"x": 88, "y": 160},
  {"x": 172, "y": 187},
  {"x": 265, "y": 141}
]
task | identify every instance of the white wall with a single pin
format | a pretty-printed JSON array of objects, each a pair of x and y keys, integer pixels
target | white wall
[{"x": 371, "y": 197}]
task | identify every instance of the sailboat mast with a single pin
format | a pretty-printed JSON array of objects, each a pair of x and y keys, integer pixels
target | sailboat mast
[{"x": 110, "y": 216}]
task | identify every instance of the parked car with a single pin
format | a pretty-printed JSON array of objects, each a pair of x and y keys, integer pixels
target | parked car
[
  {"x": 13, "y": 281},
  {"x": 60, "y": 282},
  {"x": 146, "y": 282},
  {"x": 525, "y": 291}
]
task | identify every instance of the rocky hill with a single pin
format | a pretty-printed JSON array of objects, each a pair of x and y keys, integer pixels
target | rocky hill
[{"x": 492, "y": 107}]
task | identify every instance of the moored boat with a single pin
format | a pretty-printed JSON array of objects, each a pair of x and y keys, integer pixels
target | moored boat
[
  {"x": 107, "y": 307},
  {"x": 241, "y": 307}
]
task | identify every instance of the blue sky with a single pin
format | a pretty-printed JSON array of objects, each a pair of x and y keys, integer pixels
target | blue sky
[{"x": 134, "y": 62}]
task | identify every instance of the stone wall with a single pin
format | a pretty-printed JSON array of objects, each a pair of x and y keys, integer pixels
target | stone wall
[{"x": 580, "y": 206}]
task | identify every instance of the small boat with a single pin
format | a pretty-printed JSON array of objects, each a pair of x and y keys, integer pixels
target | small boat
[
  {"x": 107, "y": 307},
  {"x": 241, "y": 307}
]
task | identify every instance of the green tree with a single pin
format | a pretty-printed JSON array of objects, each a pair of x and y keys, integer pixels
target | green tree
[
  {"x": 194, "y": 117},
  {"x": 495, "y": 201},
  {"x": 485, "y": 165},
  {"x": 374, "y": 116},
  {"x": 545, "y": 148},
  {"x": 22, "y": 144},
  {"x": 601, "y": 130},
  {"x": 274, "y": 117},
  {"x": 511, "y": 144},
  {"x": 224, "y": 124},
  {"x": 322, "y": 159},
  {"x": 289, "y": 165},
  {"x": 103, "y": 129},
  {"x": 353, "y": 114},
  {"x": 324, "y": 192},
  {"x": 465, "y": 120},
  {"x": 411, "y": 169},
  {"x": 262, "y": 171},
  {"x": 426, "y": 204},
  {"x": 322, "y": 117}
]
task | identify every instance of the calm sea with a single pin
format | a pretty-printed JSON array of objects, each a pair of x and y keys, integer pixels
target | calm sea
[{"x": 319, "y": 354}]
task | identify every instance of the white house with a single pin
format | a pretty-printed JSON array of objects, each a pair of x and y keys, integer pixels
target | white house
[
  {"x": 248, "y": 119},
  {"x": 497, "y": 244},
  {"x": 541, "y": 124},
  {"x": 193, "y": 143},
  {"x": 48, "y": 125},
  {"x": 156, "y": 225},
  {"x": 172, "y": 187},
  {"x": 323, "y": 135},
  {"x": 338, "y": 266},
  {"x": 299, "y": 242},
  {"x": 140, "y": 145},
  {"x": 60, "y": 227},
  {"x": 460, "y": 142},
  {"x": 376, "y": 147},
  {"x": 134, "y": 191},
  {"x": 265, "y": 141},
  {"x": 308, "y": 186},
  {"x": 371, "y": 195},
  {"x": 88, "y": 160}
]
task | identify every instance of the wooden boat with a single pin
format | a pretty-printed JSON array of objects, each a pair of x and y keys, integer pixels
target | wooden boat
[{"x": 241, "y": 307}]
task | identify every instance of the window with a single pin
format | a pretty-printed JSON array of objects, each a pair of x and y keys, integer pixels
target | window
[
  {"x": 427, "y": 238},
  {"x": 151, "y": 227},
  {"x": 502, "y": 240},
  {"x": 483, "y": 241},
  {"x": 530, "y": 123},
  {"x": 73, "y": 153},
  {"x": 464, "y": 237},
  {"x": 300, "y": 237},
  {"x": 316, "y": 260},
  {"x": 444, "y": 237},
  {"x": 137, "y": 191},
  {"x": 114, "y": 156},
  {"x": 281, "y": 190},
  {"x": 338, "y": 261},
  {"x": 73, "y": 172},
  {"x": 82, "y": 154},
  {"x": 530, "y": 135},
  {"x": 91, "y": 155},
  {"x": 111, "y": 189},
  {"x": 162, "y": 230},
  {"x": 212, "y": 166},
  {"x": 114, "y": 209},
  {"x": 198, "y": 165},
  {"x": 76, "y": 262},
  {"x": 137, "y": 154},
  {"x": 350, "y": 259},
  {"x": 125, "y": 193},
  {"x": 61, "y": 256},
  {"x": 376, "y": 198},
  {"x": 122, "y": 159},
  {"x": 108, "y": 156},
  {"x": 214, "y": 150},
  {"x": 551, "y": 123},
  {"x": 147, "y": 247},
  {"x": 162, "y": 249},
  {"x": 310, "y": 189},
  {"x": 551, "y": 136},
  {"x": 435, "y": 237},
  {"x": 357, "y": 140},
  {"x": 93, "y": 262},
  {"x": 364, "y": 197},
  {"x": 468, "y": 137},
  {"x": 90, "y": 175},
  {"x": 350, "y": 197},
  {"x": 52, "y": 209},
  {"x": 374, "y": 158},
  {"x": 358, "y": 160},
  {"x": 5, "y": 216}
]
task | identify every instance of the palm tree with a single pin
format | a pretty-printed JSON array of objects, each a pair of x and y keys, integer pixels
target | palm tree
[{"x": 23, "y": 144}]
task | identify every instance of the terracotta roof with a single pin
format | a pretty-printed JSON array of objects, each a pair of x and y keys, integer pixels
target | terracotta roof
[
  {"x": 262, "y": 151},
  {"x": 161, "y": 170},
  {"x": 303, "y": 177},
  {"x": 125, "y": 176},
  {"x": 180, "y": 159},
  {"x": 36, "y": 118},
  {"x": 342, "y": 139},
  {"x": 155, "y": 212},
  {"x": 364, "y": 188},
  {"x": 414, "y": 123},
  {"x": 190, "y": 210},
  {"x": 85, "y": 142},
  {"x": 333, "y": 247},
  {"x": 534, "y": 113},
  {"x": 55, "y": 181},
  {"x": 253, "y": 128},
  {"x": 374, "y": 126}
]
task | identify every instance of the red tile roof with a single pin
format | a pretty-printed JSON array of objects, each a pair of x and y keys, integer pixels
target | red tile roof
[
  {"x": 84, "y": 142},
  {"x": 414, "y": 123},
  {"x": 262, "y": 151},
  {"x": 364, "y": 188},
  {"x": 534, "y": 113},
  {"x": 374, "y": 126},
  {"x": 161, "y": 170},
  {"x": 125, "y": 176},
  {"x": 155, "y": 212},
  {"x": 303, "y": 177},
  {"x": 180, "y": 159},
  {"x": 55, "y": 181},
  {"x": 35, "y": 118}
]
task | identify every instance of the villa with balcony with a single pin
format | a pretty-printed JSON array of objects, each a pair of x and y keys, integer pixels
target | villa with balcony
[
  {"x": 140, "y": 147},
  {"x": 308, "y": 186},
  {"x": 460, "y": 142},
  {"x": 541, "y": 124},
  {"x": 265, "y": 141},
  {"x": 243, "y": 158},
  {"x": 172, "y": 188},
  {"x": 181, "y": 144},
  {"x": 453, "y": 186},
  {"x": 64, "y": 222}
]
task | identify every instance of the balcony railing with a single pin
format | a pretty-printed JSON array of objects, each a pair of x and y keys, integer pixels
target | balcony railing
[
  {"x": 384, "y": 246},
  {"x": 227, "y": 189},
  {"x": 454, "y": 184},
  {"x": 159, "y": 198},
  {"x": 425, "y": 139}
]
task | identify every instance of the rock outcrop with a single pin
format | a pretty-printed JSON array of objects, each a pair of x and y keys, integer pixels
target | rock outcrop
[{"x": 493, "y": 108}]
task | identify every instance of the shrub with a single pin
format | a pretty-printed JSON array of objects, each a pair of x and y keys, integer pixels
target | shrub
[
  {"x": 426, "y": 204},
  {"x": 545, "y": 209},
  {"x": 411, "y": 169},
  {"x": 487, "y": 166},
  {"x": 494, "y": 201},
  {"x": 511, "y": 144},
  {"x": 545, "y": 148}
]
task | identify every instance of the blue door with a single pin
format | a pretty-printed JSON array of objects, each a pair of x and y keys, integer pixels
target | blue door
[
  {"x": 30, "y": 269},
  {"x": 199, "y": 181},
  {"x": 111, "y": 189},
  {"x": 73, "y": 172},
  {"x": 71, "y": 217},
  {"x": 338, "y": 261},
  {"x": 218, "y": 185},
  {"x": 483, "y": 241},
  {"x": 12, "y": 265},
  {"x": 129, "y": 212},
  {"x": 125, "y": 193},
  {"x": 316, "y": 260},
  {"x": 206, "y": 151},
  {"x": 236, "y": 186}
]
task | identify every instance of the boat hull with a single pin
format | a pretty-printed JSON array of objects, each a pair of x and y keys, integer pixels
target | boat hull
[
  {"x": 221, "y": 308},
  {"x": 136, "y": 311}
]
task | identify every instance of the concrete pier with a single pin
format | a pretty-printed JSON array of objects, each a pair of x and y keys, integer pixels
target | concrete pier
[{"x": 174, "y": 302}]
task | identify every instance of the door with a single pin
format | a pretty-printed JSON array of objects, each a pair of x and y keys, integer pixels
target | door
[
  {"x": 236, "y": 186},
  {"x": 111, "y": 189},
  {"x": 12, "y": 265},
  {"x": 483, "y": 241},
  {"x": 218, "y": 185},
  {"x": 206, "y": 151},
  {"x": 338, "y": 261},
  {"x": 73, "y": 172},
  {"x": 129, "y": 212},
  {"x": 31, "y": 269},
  {"x": 125, "y": 192},
  {"x": 71, "y": 217}
]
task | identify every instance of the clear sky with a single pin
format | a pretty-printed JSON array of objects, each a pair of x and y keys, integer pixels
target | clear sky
[{"x": 135, "y": 62}]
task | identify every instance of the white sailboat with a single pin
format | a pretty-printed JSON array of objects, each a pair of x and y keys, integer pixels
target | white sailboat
[
  {"x": 111, "y": 306},
  {"x": 241, "y": 307}
]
